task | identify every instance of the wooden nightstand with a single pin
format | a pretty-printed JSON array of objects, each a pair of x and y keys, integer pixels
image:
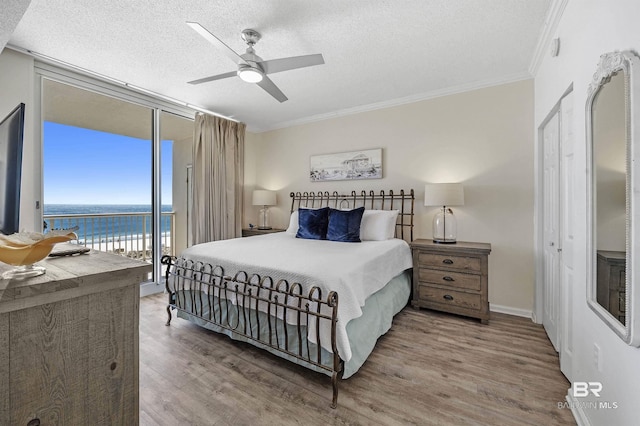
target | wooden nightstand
[
  {"x": 250, "y": 232},
  {"x": 451, "y": 277}
]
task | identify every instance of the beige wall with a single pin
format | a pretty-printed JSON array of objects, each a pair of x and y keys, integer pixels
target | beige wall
[
  {"x": 253, "y": 145},
  {"x": 481, "y": 138},
  {"x": 17, "y": 85}
]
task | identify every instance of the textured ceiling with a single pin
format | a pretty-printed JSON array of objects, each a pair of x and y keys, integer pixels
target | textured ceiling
[
  {"x": 376, "y": 52},
  {"x": 11, "y": 12}
]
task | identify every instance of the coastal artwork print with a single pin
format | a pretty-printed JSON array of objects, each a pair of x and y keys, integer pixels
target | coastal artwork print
[{"x": 365, "y": 164}]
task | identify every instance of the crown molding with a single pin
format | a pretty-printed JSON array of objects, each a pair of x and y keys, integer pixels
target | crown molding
[
  {"x": 396, "y": 102},
  {"x": 551, "y": 21}
]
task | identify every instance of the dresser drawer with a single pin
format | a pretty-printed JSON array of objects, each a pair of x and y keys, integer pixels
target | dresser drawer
[
  {"x": 451, "y": 279},
  {"x": 449, "y": 297},
  {"x": 471, "y": 264}
]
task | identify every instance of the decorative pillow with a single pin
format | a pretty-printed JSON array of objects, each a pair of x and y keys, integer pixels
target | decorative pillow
[
  {"x": 313, "y": 223},
  {"x": 293, "y": 220},
  {"x": 293, "y": 223},
  {"x": 378, "y": 225},
  {"x": 344, "y": 225}
]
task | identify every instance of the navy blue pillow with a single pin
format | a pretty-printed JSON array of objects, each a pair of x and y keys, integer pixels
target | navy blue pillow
[
  {"x": 313, "y": 223},
  {"x": 344, "y": 225}
]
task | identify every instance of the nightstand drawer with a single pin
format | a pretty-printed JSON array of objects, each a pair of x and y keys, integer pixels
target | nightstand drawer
[
  {"x": 449, "y": 297},
  {"x": 451, "y": 279},
  {"x": 453, "y": 262}
]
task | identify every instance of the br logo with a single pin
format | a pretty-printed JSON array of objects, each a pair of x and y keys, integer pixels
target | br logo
[{"x": 582, "y": 389}]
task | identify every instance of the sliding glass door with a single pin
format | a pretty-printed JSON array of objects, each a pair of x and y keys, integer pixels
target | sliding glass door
[{"x": 108, "y": 170}]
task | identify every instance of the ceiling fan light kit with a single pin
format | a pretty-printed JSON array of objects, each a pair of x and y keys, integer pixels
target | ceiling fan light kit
[
  {"x": 251, "y": 67},
  {"x": 250, "y": 74}
]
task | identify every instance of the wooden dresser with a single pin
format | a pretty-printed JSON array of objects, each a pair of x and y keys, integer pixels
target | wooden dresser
[
  {"x": 612, "y": 282},
  {"x": 451, "y": 277},
  {"x": 69, "y": 342}
]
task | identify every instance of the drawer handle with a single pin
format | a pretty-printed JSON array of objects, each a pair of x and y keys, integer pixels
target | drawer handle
[
  {"x": 448, "y": 261},
  {"x": 448, "y": 297},
  {"x": 34, "y": 422},
  {"x": 448, "y": 278}
]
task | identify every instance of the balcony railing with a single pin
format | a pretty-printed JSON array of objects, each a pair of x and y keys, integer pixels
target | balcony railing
[{"x": 126, "y": 234}]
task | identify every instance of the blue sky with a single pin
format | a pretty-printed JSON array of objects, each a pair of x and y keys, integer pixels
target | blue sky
[{"x": 83, "y": 166}]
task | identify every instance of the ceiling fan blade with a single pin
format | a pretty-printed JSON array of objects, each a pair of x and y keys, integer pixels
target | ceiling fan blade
[
  {"x": 284, "y": 64},
  {"x": 217, "y": 43},
  {"x": 214, "y": 77},
  {"x": 270, "y": 87}
]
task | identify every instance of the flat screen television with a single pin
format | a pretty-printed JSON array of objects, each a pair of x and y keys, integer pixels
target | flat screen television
[{"x": 11, "y": 137}]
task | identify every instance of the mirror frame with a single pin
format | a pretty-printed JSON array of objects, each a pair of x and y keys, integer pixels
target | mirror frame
[{"x": 612, "y": 63}]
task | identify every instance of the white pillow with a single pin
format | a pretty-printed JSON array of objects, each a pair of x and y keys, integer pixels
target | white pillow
[
  {"x": 293, "y": 223},
  {"x": 378, "y": 225}
]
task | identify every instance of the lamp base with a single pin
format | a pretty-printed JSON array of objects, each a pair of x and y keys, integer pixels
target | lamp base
[
  {"x": 444, "y": 227},
  {"x": 444, "y": 241},
  {"x": 264, "y": 219}
]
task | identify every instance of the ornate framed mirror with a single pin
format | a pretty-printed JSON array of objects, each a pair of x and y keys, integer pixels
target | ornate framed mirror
[{"x": 613, "y": 194}]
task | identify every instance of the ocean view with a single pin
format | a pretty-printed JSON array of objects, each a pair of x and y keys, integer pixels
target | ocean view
[
  {"x": 121, "y": 221},
  {"x": 108, "y": 209},
  {"x": 64, "y": 209}
]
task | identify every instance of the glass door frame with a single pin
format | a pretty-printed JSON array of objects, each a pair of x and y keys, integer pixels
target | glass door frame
[{"x": 158, "y": 106}]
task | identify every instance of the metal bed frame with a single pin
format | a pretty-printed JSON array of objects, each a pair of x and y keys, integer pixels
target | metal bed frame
[
  {"x": 403, "y": 202},
  {"x": 234, "y": 303}
]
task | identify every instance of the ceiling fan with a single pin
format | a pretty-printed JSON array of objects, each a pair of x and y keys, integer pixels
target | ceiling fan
[{"x": 251, "y": 67}]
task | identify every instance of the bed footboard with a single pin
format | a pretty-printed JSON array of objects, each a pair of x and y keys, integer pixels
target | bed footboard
[{"x": 275, "y": 316}]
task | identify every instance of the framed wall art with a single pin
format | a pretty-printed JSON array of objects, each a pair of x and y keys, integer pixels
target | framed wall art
[{"x": 363, "y": 164}]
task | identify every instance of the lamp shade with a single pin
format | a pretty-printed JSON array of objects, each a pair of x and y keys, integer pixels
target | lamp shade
[
  {"x": 443, "y": 194},
  {"x": 262, "y": 197}
]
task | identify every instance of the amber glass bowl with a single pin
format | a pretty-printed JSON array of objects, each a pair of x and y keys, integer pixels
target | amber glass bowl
[{"x": 25, "y": 255}]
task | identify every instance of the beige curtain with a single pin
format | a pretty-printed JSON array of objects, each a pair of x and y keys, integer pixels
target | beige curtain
[{"x": 218, "y": 178}]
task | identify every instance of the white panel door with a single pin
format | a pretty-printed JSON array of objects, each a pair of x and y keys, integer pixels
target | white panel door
[
  {"x": 567, "y": 233},
  {"x": 551, "y": 232}
]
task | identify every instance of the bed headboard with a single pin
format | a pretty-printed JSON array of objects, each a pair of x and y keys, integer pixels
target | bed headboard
[{"x": 401, "y": 201}]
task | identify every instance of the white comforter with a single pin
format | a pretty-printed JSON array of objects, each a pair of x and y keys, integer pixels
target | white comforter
[{"x": 353, "y": 270}]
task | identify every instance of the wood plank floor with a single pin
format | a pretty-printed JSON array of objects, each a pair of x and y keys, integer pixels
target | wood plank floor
[{"x": 429, "y": 369}]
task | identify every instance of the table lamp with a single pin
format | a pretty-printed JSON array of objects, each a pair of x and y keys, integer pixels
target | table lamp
[
  {"x": 264, "y": 198},
  {"x": 444, "y": 222}
]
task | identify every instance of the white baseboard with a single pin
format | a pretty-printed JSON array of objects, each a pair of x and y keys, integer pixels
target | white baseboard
[
  {"x": 149, "y": 288},
  {"x": 534, "y": 318},
  {"x": 576, "y": 410},
  {"x": 511, "y": 311}
]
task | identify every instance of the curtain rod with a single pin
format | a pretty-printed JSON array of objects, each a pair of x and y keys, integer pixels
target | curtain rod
[{"x": 99, "y": 76}]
